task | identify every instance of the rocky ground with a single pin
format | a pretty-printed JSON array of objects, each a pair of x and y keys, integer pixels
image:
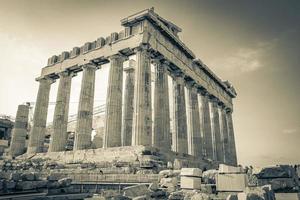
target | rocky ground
[{"x": 34, "y": 176}]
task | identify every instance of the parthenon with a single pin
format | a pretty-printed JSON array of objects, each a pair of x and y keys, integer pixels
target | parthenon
[{"x": 201, "y": 110}]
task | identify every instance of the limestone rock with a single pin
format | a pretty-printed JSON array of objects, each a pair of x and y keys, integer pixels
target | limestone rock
[
  {"x": 232, "y": 197},
  {"x": 178, "y": 195},
  {"x": 278, "y": 171},
  {"x": 200, "y": 196},
  {"x": 64, "y": 182},
  {"x": 279, "y": 184},
  {"x": 153, "y": 186},
  {"x": 166, "y": 173},
  {"x": 15, "y": 176},
  {"x": 28, "y": 176},
  {"x": 168, "y": 182},
  {"x": 135, "y": 191}
]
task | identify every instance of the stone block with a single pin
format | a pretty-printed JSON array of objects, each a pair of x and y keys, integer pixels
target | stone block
[
  {"x": 135, "y": 191},
  {"x": 100, "y": 42},
  {"x": 87, "y": 47},
  {"x": 187, "y": 182},
  {"x": 287, "y": 196},
  {"x": 10, "y": 184},
  {"x": 75, "y": 51},
  {"x": 231, "y": 182},
  {"x": 196, "y": 172},
  {"x": 65, "y": 55},
  {"x": 114, "y": 37},
  {"x": 230, "y": 169},
  {"x": 26, "y": 185},
  {"x": 28, "y": 176}
]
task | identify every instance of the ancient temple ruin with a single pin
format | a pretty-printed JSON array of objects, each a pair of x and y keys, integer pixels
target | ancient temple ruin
[{"x": 202, "y": 118}]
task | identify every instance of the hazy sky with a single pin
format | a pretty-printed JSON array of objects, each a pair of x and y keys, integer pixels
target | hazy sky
[{"x": 253, "y": 44}]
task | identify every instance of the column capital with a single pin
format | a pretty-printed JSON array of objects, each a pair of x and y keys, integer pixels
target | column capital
[
  {"x": 89, "y": 65},
  {"x": 142, "y": 47},
  {"x": 192, "y": 85},
  {"x": 179, "y": 78},
  {"x": 214, "y": 100},
  {"x": 118, "y": 56},
  {"x": 46, "y": 79},
  {"x": 66, "y": 73}
]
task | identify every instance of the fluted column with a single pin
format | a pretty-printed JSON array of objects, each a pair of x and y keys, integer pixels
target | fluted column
[
  {"x": 215, "y": 125},
  {"x": 60, "y": 119},
  {"x": 85, "y": 108},
  {"x": 194, "y": 132},
  {"x": 224, "y": 133},
  {"x": 231, "y": 138},
  {"x": 128, "y": 104},
  {"x": 19, "y": 132},
  {"x": 180, "y": 142},
  {"x": 37, "y": 133},
  {"x": 161, "y": 134},
  {"x": 142, "y": 121},
  {"x": 206, "y": 126},
  {"x": 113, "y": 121}
]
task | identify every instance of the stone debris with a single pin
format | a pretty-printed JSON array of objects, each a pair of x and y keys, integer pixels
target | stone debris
[{"x": 136, "y": 191}]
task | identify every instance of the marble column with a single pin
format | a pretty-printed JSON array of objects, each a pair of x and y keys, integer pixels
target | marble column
[
  {"x": 142, "y": 117},
  {"x": 113, "y": 121},
  {"x": 194, "y": 132},
  {"x": 85, "y": 108},
  {"x": 206, "y": 126},
  {"x": 61, "y": 112},
  {"x": 180, "y": 143},
  {"x": 161, "y": 133},
  {"x": 215, "y": 127},
  {"x": 19, "y": 132},
  {"x": 224, "y": 133},
  {"x": 38, "y": 129},
  {"x": 231, "y": 138},
  {"x": 128, "y": 104}
]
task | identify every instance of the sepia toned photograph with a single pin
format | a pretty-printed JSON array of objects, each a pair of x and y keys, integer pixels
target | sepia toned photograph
[{"x": 150, "y": 99}]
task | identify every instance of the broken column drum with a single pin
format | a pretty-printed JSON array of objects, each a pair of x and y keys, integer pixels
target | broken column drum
[{"x": 19, "y": 132}]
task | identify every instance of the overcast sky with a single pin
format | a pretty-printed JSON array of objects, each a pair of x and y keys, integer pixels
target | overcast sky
[{"x": 254, "y": 44}]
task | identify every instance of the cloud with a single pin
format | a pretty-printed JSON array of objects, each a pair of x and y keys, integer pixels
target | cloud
[
  {"x": 245, "y": 59},
  {"x": 290, "y": 131}
]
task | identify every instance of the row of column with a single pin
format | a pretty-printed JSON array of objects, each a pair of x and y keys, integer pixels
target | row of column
[{"x": 193, "y": 136}]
